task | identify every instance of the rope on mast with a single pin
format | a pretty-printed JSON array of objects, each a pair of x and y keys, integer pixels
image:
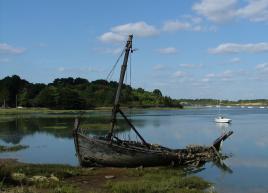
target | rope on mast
[{"x": 110, "y": 74}]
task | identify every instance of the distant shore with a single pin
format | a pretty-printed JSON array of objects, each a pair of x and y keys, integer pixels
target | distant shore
[
  {"x": 108, "y": 109},
  {"x": 58, "y": 111}
]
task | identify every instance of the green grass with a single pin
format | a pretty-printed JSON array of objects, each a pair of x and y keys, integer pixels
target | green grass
[
  {"x": 11, "y": 111},
  {"x": 159, "y": 180},
  {"x": 38, "y": 110},
  {"x": 12, "y": 148}
]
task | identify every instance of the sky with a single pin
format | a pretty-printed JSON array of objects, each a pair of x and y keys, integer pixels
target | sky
[{"x": 187, "y": 49}]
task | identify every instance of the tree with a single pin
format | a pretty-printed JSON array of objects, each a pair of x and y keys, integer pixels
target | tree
[
  {"x": 80, "y": 81},
  {"x": 157, "y": 92},
  {"x": 13, "y": 85},
  {"x": 70, "y": 99},
  {"x": 63, "y": 81},
  {"x": 48, "y": 97}
]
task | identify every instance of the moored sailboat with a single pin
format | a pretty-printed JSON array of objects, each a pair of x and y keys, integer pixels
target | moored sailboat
[{"x": 220, "y": 118}]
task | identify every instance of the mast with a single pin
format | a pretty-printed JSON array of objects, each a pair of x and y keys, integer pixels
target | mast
[
  {"x": 128, "y": 48},
  {"x": 116, "y": 109}
]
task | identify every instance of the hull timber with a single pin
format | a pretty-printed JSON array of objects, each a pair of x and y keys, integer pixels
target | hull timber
[{"x": 101, "y": 151}]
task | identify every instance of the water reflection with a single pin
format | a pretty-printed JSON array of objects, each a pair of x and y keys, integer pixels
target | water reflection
[
  {"x": 14, "y": 128},
  {"x": 224, "y": 127}
]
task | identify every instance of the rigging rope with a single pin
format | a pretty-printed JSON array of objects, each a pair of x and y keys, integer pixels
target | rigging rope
[
  {"x": 130, "y": 61},
  {"x": 113, "y": 68}
]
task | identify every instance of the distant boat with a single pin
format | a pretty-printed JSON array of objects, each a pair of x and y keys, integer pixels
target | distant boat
[
  {"x": 220, "y": 118},
  {"x": 249, "y": 107},
  {"x": 261, "y": 107}
]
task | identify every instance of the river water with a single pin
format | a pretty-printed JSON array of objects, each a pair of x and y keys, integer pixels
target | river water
[{"x": 49, "y": 137}]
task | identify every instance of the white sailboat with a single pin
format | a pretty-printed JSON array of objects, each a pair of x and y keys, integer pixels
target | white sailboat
[{"x": 220, "y": 118}]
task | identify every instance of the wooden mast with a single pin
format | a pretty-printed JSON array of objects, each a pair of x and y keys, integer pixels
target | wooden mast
[
  {"x": 121, "y": 80},
  {"x": 128, "y": 48}
]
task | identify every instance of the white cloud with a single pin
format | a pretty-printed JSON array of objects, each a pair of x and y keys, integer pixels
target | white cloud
[
  {"x": 210, "y": 75},
  {"x": 4, "y": 60},
  {"x": 168, "y": 50},
  {"x": 262, "y": 67},
  {"x": 120, "y": 32},
  {"x": 262, "y": 142},
  {"x": 76, "y": 69},
  {"x": 236, "y": 48},
  {"x": 190, "y": 65},
  {"x": 205, "y": 80},
  {"x": 235, "y": 60},
  {"x": 216, "y": 10},
  {"x": 179, "y": 74},
  {"x": 112, "y": 37},
  {"x": 256, "y": 10},
  {"x": 189, "y": 23},
  {"x": 159, "y": 67},
  {"x": 224, "y": 10},
  {"x": 8, "y": 49},
  {"x": 223, "y": 76},
  {"x": 170, "y": 26},
  {"x": 140, "y": 29}
]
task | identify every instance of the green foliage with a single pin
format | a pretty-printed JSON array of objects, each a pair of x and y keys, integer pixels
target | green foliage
[
  {"x": 157, "y": 92},
  {"x": 79, "y": 93}
]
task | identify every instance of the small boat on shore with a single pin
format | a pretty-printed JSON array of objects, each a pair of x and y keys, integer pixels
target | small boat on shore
[{"x": 109, "y": 150}]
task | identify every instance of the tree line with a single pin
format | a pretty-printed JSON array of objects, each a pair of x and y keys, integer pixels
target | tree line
[{"x": 76, "y": 93}]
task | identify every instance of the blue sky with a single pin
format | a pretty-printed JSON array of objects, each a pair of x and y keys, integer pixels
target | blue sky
[{"x": 187, "y": 49}]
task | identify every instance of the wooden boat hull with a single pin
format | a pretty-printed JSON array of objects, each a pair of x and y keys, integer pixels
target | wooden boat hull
[{"x": 101, "y": 151}]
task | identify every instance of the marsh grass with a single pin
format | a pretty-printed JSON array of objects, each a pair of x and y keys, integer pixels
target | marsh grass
[
  {"x": 159, "y": 180},
  {"x": 128, "y": 180},
  {"x": 44, "y": 172},
  {"x": 12, "y": 148}
]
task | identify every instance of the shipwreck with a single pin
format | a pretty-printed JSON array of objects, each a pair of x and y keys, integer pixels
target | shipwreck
[{"x": 109, "y": 150}]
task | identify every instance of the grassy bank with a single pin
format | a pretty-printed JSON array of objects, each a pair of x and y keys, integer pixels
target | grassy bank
[
  {"x": 12, "y": 148},
  {"x": 38, "y": 110},
  {"x": 20, "y": 177},
  {"x": 11, "y": 111}
]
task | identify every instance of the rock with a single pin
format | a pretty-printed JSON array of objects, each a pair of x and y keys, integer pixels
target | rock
[
  {"x": 18, "y": 176},
  {"x": 109, "y": 177},
  {"x": 139, "y": 168},
  {"x": 53, "y": 178},
  {"x": 39, "y": 179}
]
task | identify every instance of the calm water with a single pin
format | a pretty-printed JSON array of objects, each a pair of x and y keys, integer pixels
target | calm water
[{"x": 50, "y": 139}]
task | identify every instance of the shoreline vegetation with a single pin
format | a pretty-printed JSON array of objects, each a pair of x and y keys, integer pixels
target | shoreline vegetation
[
  {"x": 16, "y": 177},
  {"x": 80, "y": 94},
  {"x": 12, "y": 148},
  {"x": 77, "y": 93}
]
